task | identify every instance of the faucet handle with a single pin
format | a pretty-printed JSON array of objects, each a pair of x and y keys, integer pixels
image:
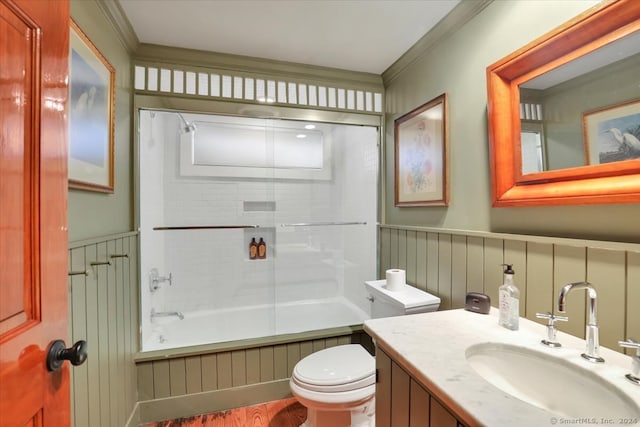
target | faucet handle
[
  {"x": 552, "y": 318},
  {"x": 631, "y": 343},
  {"x": 551, "y": 340},
  {"x": 634, "y": 375}
]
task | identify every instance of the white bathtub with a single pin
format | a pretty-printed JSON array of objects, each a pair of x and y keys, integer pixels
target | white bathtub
[{"x": 214, "y": 326}]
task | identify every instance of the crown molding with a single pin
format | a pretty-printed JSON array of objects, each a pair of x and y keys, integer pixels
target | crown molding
[
  {"x": 460, "y": 15},
  {"x": 116, "y": 16}
]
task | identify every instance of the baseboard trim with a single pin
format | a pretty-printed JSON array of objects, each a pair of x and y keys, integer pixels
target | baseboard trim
[{"x": 170, "y": 408}]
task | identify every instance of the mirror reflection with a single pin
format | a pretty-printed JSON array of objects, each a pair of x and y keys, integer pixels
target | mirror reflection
[{"x": 585, "y": 112}]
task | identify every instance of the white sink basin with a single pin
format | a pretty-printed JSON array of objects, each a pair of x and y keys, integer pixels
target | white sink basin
[{"x": 551, "y": 383}]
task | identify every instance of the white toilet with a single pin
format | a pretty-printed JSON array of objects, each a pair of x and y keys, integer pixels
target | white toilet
[{"x": 337, "y": 385}]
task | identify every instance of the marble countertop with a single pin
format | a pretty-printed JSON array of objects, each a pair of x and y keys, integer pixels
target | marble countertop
[{"x": 431, "y": 348}]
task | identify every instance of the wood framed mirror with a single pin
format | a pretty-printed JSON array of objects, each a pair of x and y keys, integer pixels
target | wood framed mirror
[{"x": 527, "y": 113}]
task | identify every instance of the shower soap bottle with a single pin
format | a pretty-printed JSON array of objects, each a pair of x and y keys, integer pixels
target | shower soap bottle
[
  {"x": 262, "y": 249},
  {"x": 509, "y": 300},
  {"x": 253, "y": 249}
]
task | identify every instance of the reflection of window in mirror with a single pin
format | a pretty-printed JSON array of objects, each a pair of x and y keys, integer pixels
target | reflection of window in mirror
[
  {"x": 584, "y": 89},
  {"x": 532, "y": 145}
]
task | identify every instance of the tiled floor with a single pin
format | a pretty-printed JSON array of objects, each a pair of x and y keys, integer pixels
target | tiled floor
[{"x": 280, "y": 413}]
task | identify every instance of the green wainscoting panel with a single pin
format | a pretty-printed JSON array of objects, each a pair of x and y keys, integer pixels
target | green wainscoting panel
[
  {"x": 385, "y": 251},
  {"x": 475, "y": 264},
  {"x": 177, "y": 375},
  {"x": 570, "y": 265},
  {"x": 606, "y": 270},
  {"x": 103, "y": 310},
  {"x": 444, "y": 271},
  {"x": 455, "y": 262},
  {"x": 402, "y": 249},
  {"x": 421, "y": 260},
  {"x": 209, "y": 373},
  {"x": 493, "y": 256},
  {"x": 411, "y": 256},
  {"x": 394, "y": 250},
  {"x": 432, "y": 263},
  {"x": 458, "y": 270},
  {"x": 633, "y": 296},
  {"x": 539, "y": 276},
  {"x": 515, "y": 253}
]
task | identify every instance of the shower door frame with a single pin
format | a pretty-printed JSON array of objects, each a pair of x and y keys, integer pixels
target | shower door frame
[{"x": 268, "y": 111}]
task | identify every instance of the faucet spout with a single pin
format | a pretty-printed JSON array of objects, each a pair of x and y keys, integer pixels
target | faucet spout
[{"x": 592, "y": 354}]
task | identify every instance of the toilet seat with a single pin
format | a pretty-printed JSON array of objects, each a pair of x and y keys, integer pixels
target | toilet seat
[
  {"x": 331, "y": 368},
  {"x": 339, "y": 374}
]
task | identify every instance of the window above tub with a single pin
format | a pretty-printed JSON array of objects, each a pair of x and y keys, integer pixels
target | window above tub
[{"x": 254, "y": 148}]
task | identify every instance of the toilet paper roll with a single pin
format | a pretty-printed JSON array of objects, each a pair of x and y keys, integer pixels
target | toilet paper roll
[{"x": 396, "y": 279}]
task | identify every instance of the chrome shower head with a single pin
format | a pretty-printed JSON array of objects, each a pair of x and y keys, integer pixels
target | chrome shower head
[{"x": 188, "y": 127}]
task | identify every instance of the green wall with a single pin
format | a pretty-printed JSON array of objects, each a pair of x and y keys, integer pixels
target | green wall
[
  {"x": 457, "y": 64},
  {"x": 93, "y": 214}
]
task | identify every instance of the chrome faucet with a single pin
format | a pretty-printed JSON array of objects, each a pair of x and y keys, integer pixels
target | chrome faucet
[
  {"x": 155, "y": 314},
  {"x": 634, "y": 375},
  {"x": 593, "y": 347}
]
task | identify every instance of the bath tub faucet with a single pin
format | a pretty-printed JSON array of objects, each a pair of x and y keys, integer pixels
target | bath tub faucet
[
  {"x": 593, "y": 353},
  {"x": 155, "y": 314}
]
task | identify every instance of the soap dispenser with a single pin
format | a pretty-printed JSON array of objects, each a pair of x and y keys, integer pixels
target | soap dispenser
[{"x": 509, "y": 300}]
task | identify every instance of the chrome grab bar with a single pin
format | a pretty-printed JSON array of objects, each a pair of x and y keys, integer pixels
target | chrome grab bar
[
  {"x": 314, "y": 224},
  {"x": 205, "y": 227}
]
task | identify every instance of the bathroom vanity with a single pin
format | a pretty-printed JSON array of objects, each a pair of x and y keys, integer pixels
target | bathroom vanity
[{"x": 458, "y": 368}]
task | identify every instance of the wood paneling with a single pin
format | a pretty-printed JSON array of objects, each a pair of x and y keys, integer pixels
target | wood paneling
[
  {"x": 606, "y": 270},
  {"x": 400, "y": 390},
  {"x": 633, "y": 296},
  {"x": 181, "y": 375},
  {"x": 569, "y": 265},
  {"x": 419, "y": 404},
  {"x": 383, "y": 389},
  {"x": 440, "y": 417},
  {"x": 538, "y": 258},
  {"x": 104, "y": 312},
  {"x": 401, "y": 401},
  {"x": 451, "y": 264}
]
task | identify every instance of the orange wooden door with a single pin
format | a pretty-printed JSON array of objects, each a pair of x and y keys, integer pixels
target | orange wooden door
[{"x": 34, "y": 44}]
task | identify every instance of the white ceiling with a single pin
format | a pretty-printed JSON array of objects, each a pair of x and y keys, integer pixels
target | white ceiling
[{"x": 357, "y": 35}]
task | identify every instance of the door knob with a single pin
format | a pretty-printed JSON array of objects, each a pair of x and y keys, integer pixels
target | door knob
[{"x": 57, "y": 354}]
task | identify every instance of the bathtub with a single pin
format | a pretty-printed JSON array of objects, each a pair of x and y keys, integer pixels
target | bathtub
[{"x": 215, "y": 326}]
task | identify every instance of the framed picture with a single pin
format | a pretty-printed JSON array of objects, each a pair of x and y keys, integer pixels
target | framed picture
[
  {"x": 421, "y": 143},
  {"x": 612, "y": 134},
  {"x": 91, "y": 105}
]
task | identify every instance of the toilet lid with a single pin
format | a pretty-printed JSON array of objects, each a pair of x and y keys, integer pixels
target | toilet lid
[{"x": 344, "y": 364}]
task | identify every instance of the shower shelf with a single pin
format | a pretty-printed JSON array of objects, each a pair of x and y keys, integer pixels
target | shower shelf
[{"x": 205, "y": 227}]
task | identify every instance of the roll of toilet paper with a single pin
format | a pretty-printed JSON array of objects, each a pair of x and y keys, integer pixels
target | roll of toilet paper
[{"x": 396, "y": 279}]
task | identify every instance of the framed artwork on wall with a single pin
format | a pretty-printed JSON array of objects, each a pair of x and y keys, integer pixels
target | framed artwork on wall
[
  {"x": 91, "y": 110},
  {"x": 421, "y": 144},
  {"x": 612, "y": 134}
]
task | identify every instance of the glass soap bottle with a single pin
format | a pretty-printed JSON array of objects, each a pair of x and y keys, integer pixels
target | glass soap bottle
[
  {"x": 262, "y": 249},
  {"x": 253, "y": 249},
  {"x": 509, "y": 300}
]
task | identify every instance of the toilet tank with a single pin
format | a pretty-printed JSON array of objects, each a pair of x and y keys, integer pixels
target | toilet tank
[{"x": 408, "y": 300}]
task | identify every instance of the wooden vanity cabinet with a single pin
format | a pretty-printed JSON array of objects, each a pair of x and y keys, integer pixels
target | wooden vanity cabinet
[{"x": 401, "y": 401}]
